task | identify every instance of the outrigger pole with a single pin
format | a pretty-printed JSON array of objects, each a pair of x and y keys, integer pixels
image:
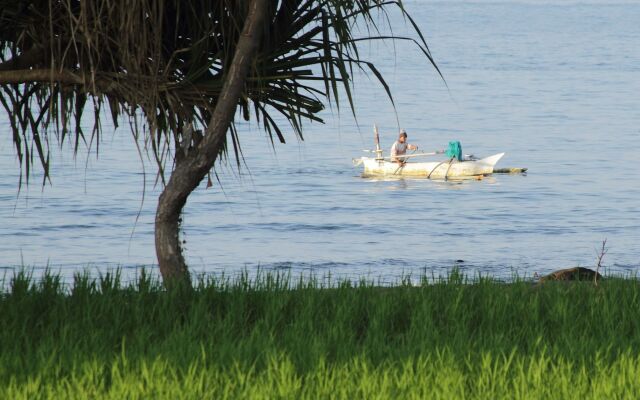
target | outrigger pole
[{"x": 435, "y": 153}]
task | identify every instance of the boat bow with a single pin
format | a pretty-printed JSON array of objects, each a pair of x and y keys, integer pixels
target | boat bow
[{"x": 491, "y": 160}]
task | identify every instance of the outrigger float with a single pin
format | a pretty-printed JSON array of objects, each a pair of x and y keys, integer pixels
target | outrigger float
[{"x": 452, "y": 167}]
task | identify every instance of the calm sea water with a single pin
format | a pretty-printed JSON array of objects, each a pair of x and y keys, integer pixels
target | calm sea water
[{"x": 556, "y": 86}]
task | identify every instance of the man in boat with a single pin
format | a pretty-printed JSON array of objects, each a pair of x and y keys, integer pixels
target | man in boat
[{"x": 400, "y": 148}]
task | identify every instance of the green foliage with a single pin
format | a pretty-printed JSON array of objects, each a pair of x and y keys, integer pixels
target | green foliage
[
  {"x": 162, "y": 64},
  {"x": 274, "y": 338}
]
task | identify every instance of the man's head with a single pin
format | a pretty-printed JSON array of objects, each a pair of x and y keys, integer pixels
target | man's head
[{"x": 403, "y": 136}]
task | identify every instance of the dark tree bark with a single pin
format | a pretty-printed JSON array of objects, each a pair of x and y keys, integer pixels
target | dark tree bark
[
  {"x": 18, "y": 76},
  {"x": 191, "y": 169}
]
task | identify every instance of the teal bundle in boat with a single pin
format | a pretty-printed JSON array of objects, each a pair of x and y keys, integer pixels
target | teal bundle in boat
[{"x": 454, "y": 150}]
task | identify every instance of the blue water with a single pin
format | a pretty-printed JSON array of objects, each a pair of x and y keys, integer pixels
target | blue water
[{"x": 555, "y": 85}]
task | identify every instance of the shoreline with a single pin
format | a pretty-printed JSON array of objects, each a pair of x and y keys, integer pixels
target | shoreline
[{"x": 325, "y": 278}]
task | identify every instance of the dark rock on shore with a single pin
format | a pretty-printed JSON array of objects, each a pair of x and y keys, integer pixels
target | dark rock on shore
[{"x": 571, "y": 274}]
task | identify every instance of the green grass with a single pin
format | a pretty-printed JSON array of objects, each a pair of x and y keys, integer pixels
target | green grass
[{"x": 271, "y": 338}]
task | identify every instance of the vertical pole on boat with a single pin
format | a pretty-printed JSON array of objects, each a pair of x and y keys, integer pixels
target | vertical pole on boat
[{"x": 377, "y": 140}]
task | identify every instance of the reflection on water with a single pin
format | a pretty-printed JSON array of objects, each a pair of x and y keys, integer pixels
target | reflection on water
[{"x": 403, "y": 182}]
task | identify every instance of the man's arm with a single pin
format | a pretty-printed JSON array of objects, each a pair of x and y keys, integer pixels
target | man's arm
[{"x": 412, "y": 147}]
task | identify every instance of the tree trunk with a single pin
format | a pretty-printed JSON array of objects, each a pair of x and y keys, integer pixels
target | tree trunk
[{"x": 191, "y": 169}]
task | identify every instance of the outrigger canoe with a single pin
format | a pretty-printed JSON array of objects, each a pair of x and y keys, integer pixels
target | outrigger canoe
[
  {"x": 443, "y": 169},
  {"x": 455, "y": 166}
]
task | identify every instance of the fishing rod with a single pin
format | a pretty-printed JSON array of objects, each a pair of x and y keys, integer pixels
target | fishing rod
[{"x": 407, "y": 155}]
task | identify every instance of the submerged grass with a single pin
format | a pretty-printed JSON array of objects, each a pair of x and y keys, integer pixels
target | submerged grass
[{"x": 271, "y": 338}]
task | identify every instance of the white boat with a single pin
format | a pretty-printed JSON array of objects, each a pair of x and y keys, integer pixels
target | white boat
[{"x": 442, "y": 169}]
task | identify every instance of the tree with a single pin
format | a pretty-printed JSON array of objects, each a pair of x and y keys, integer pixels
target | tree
[{"x": 173, "y": 66}]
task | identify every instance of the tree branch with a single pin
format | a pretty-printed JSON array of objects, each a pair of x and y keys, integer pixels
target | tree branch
[
  {"x": 105, "y": 83},
  {"x": 39, "y": 75},
  {"x": 234, "y": 83}
]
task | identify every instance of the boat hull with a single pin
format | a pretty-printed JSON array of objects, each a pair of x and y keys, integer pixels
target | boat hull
[{"x": 433, "y": 169}]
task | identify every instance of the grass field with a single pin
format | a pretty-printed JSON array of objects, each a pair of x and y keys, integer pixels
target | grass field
[{"x": 273, "y": 338}]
